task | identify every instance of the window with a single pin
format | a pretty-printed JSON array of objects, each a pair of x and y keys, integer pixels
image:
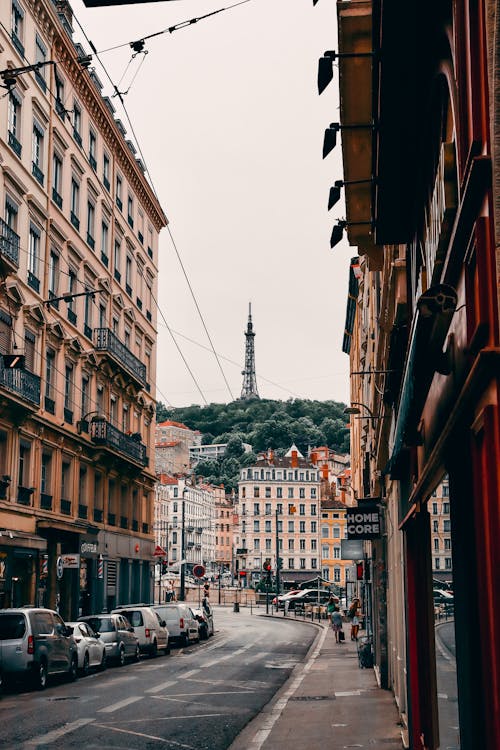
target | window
[
  {"x": 268, "y": 526},
  {"x": 436, "y": 544},
  {"x": 53, "y": 273},
  {"x": 313, "y": 527},
  {"x": 57, "y": 180},
  {"x": 336, "y": 532},
  {"x": 447, "y": 563},
  {"x": 446, "y": 508},
  {"x": 302, "y": 492},
  {"x": 447, "y": 543},
  {"x": 77, "y": 123},
  {"x": 118, "y": 259},
  {"x": 256, "y": 525},
  {"x": 256, "y": 544},
  {"x": 314, "y": 543},
  {"x": 17, "y": 26},
  {"x": 119, "y": 201},
  {"x": 279, "y": 492},
  {"x": 268, "y": 492},
  {"x": 302, "y": 527},
  {"x": 280, "y": 527},
  {"x": 85, "y": 394},
  {"x": 279, "y": 508},
  {"x": 71, "y": 290},
  {"x": 291, "y": 527},
  {"x": 446, "y": 490},
  {"x": 256, "y": 492},
  {"x": 268, "y": 545},
  {"x": 313, "y": 493},
  {"x": 105, "y": 171},
  {"x": 435, "y": 526},
  {"x": 14, "y": 122},
  {"x": 68, "y": 387},
  {"x": 324, "y": 532},
  {"x": 302, "y": 563},
  {"x": 302, "y": 509},
  {"x": 75, "y": 203},
  {"x": 29, "y": 350},
  {"x": 33, "y": 258},
  {"x": 268, "y": 509},
  {"x": 90, "y": 224},
  {"x": 313, "y": 510},
  {"x": 37, "y": 152},
  {"x": 302, "y": 544},
  {"x": 434, "y": 509},
  {"x": 50, "y": 371},
  {"x": 291, "y": 563},
  {"x": 336, "y": 574},
  {"x": 92, "y": 149},
  {"x": 314, "y": 562},
  {"x": 88, "y": 306},
  {"x": 336, "y": 552},
  {"x": 40, "y": 57},
  {"x": 446, "y": 525},
  {"x": 128, "y": 275},
  {"x": 104, "y": 242},
  {"x": 291, "y": 544},
  {"x": 59, "y": 103},
  {"x": 290, "y": 492},
  {"x": 325, "y": 551},
  {"x": 437, "y": 563},
  {"x": 256, "y": 506},
  {"x": 130, "y": 211}
]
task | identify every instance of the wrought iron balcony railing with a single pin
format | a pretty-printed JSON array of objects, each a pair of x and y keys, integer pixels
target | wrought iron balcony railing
[
  {"x": 104, "y": 433},
  {"x": 9, "y": 243},
  {"x": 23, "y": 383},
  {"x": 107, "y": 341}
]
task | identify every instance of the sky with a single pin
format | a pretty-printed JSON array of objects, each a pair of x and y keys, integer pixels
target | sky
[{"x": 230, "y": 124}]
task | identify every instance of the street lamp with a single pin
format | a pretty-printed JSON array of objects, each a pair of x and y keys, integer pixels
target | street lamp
[{"x": 354, "y": 409}]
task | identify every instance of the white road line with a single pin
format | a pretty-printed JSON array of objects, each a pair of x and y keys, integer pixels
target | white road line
[
  {"x": 46, "y": 739},
  {"x": 230, "y": 656},
  {"x": 261, "y": 736},
  {"x": 212, "y": 692},
  {"x": 161, "y": 686},
  {"x": 188, "y": 674},
  {"x": 120, "y": 704},
  {"x": 115, "y": 680},
  {"x": 146, "y": 736},
  {"x": 347, "y": 693}
]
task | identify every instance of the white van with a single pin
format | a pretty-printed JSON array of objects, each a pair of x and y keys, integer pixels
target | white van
[
  {"x": 150, "y": 628},
  {"x": 181, "y": 623}
]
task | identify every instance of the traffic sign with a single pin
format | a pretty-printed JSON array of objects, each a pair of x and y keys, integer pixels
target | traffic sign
[
  {"x": 199, "y": 571},
  {"x": 59, "y": 567},
  {"x": 159, "y": 551}
]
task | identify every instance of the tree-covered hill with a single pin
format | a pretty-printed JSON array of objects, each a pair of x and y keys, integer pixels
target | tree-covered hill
[{"x": 264, "y": 424}]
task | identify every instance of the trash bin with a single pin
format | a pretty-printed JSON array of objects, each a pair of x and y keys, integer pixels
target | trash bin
[{"x": 236, "y": 607}]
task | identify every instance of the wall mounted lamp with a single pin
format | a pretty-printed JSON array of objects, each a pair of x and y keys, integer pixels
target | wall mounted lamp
[
  {"x": 330, "y": 138},
  {"x": 337, "y": 186},
  {"x": 338, "y": 229},
  {"x": 325, "y": 65}
]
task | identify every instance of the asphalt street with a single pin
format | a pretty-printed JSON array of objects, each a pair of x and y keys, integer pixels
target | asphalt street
[
  {"x": 446, "y": 672},
  {"x": 198, "y": 698}
]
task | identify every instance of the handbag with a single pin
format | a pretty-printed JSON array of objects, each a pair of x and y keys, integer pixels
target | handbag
[{"x": 341, "y": 635}]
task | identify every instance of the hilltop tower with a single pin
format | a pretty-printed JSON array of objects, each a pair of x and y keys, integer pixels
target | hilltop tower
[{"x": 249, "y": 388}]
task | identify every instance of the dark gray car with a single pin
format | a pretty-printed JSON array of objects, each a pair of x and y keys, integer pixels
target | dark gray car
[
  {"x": 36, "y": 643},
  {"x": 118, "y": 635}
]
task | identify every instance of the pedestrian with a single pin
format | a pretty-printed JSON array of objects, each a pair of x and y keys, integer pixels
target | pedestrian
[
  {"x": 337, "y": 623},
  {"x": 354, "y": 618},
  {"x": 330, "y": 607}
]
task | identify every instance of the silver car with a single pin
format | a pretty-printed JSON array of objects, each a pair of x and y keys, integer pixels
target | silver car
[
  {"x": 91, "y": 647},
  {"x": 118, "y": 635},
  {"x": 35, "y": 643}
]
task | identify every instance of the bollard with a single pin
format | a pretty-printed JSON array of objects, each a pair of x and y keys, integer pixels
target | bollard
[{"x": 236, "y": 607}]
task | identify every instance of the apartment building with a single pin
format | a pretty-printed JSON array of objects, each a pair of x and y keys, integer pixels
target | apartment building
[
  {"x": 224, "y": 508},
  {"x": 173, "y": 441},
  {"x": 278, "y": 511},
  {"x": 440, "y": 519},
  {"x": 332, "y": 531},
  {"x": 77, "y": 417}
]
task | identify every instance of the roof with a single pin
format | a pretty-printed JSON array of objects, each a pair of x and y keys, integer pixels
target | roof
[
  {"x": 166, "y": 479},
  {"x": 171, "y": 423},
  {"x": 333, "y": 504},
  {"x": 167, "y": 443}
]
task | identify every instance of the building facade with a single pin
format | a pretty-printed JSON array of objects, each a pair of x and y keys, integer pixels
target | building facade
[
  {"x": 77, "y": 415},
  {"x": 172, "y": 446},
  {"x": 422, "y": 332},
  {"x": 279, "y": 513}
]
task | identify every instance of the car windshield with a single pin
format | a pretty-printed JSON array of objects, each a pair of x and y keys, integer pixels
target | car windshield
[{"x": 12, "y": 626}]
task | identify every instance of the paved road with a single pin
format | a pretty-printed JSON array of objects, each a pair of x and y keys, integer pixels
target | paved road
[
  {"x": 199, "y": 698},
  {"x": 446, "y": 669}
]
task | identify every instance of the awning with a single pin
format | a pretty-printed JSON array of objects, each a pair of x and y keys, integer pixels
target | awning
[{"x": 11, "y": 538}]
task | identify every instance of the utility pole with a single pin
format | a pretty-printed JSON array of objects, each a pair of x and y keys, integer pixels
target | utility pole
[
  {"x": 183, "y": 548},
  {"x": 277, "y": 561}
]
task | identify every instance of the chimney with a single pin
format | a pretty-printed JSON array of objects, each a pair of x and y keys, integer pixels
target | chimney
[
  {"x": 324, "y": 471},
  {"x": 314, "y": 458},
  {"x": 295, "y": 460},
  {"x": 270, "y": 456}
]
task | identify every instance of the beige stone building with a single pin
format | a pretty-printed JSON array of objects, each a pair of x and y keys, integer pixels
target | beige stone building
[
  {"x": 77, "y": 420},
  {"x": 172, "y": 443}
]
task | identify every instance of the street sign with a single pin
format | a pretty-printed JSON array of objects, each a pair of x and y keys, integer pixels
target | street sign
[
  {"x": 351, "y": 549},
  {"x": 159, "y": 551},
  {"x": 198, "y": 571},
  {"x": 59, "y": 568}
]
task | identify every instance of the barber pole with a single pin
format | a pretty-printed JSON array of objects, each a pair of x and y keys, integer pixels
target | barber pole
[{"x": 100, "y": 567}]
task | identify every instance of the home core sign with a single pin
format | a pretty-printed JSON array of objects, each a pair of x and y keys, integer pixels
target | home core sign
[{"x": 363, "y": 522}]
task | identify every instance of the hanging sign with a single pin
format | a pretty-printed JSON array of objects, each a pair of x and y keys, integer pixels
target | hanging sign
[{"x": 363, "y": 522}]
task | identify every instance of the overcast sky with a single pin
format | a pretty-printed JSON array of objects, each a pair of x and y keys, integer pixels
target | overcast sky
[{"x": 227, "y": 115}]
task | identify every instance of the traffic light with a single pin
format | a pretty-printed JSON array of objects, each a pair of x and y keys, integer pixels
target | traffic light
[
  {"x": 164, "y": 567},
  {"x": 267, "y": 566},
  {"x": 359, "y": 571},
  {"x": 280, "y": 563}
]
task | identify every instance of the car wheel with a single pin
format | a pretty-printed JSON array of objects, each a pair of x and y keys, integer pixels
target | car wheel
[
  {"x": 154, "y": 650},
  {"x": 73, "y": 669},
  {"x": 86, "y": 664},
  {"x": 137, "y": 654},
  {"x": 40, "y": 676},
  {"x": 167, "y": 647},
  {"x": 121, "y": 657},
  {"x": 104, "y": 661}
]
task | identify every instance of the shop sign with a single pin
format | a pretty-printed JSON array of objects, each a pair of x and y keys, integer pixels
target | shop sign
[
  {"x": 363, "y": 522},
  {"x": 59, "y": 568},
  {"x": 70, "y": 561},
  {"x": 351, "y": 549},
  {"x": 88, "y": 548}
]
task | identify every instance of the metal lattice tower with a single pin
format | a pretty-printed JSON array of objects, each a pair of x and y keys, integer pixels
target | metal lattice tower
[{"x": 249, "y": 389}]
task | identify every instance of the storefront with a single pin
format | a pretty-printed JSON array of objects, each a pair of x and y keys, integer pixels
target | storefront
[{"x": 20, "y": 579}]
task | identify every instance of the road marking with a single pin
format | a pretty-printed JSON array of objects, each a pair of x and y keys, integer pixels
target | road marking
[
  {"x": 146, "y": 736},
  {"x": 161, "y": 686},
  {"x": 188, "y": 674},
  {"x": 187, "y": 695},
  {"x": 347, "y": 693},
  {"x": 120, "y": 704},
  {"x": 115, "y": 681},
  {"x": 45, "y": 739},
  {"x": 230, "y": 656}
]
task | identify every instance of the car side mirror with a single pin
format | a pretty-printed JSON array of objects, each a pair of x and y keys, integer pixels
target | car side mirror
[
  {"x": 163, "y": 623},
  {"x": 68, "y": 630},
  {"x": 131, "y": 629},
  {"x": 97, "y": 635}
]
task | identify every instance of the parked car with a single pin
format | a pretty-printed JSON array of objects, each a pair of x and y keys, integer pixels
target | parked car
[
  {"x": 205, "y": 619},
  {"x": 90, "y": 646},
  {"x": 35, "y": 643},
  {"x": 308, "y": 596},
  {"x": 118, "y": 635},
  {"x": 181, "y": 623},
  {"x": 150, "y": 628}
]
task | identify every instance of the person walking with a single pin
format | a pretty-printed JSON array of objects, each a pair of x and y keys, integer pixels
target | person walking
[
  {"x": 337, "y": 624},
  {"x": 354, "y": 618}
]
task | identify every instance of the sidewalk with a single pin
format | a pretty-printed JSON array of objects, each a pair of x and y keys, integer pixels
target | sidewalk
[{"x": 328, "y": 703}]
